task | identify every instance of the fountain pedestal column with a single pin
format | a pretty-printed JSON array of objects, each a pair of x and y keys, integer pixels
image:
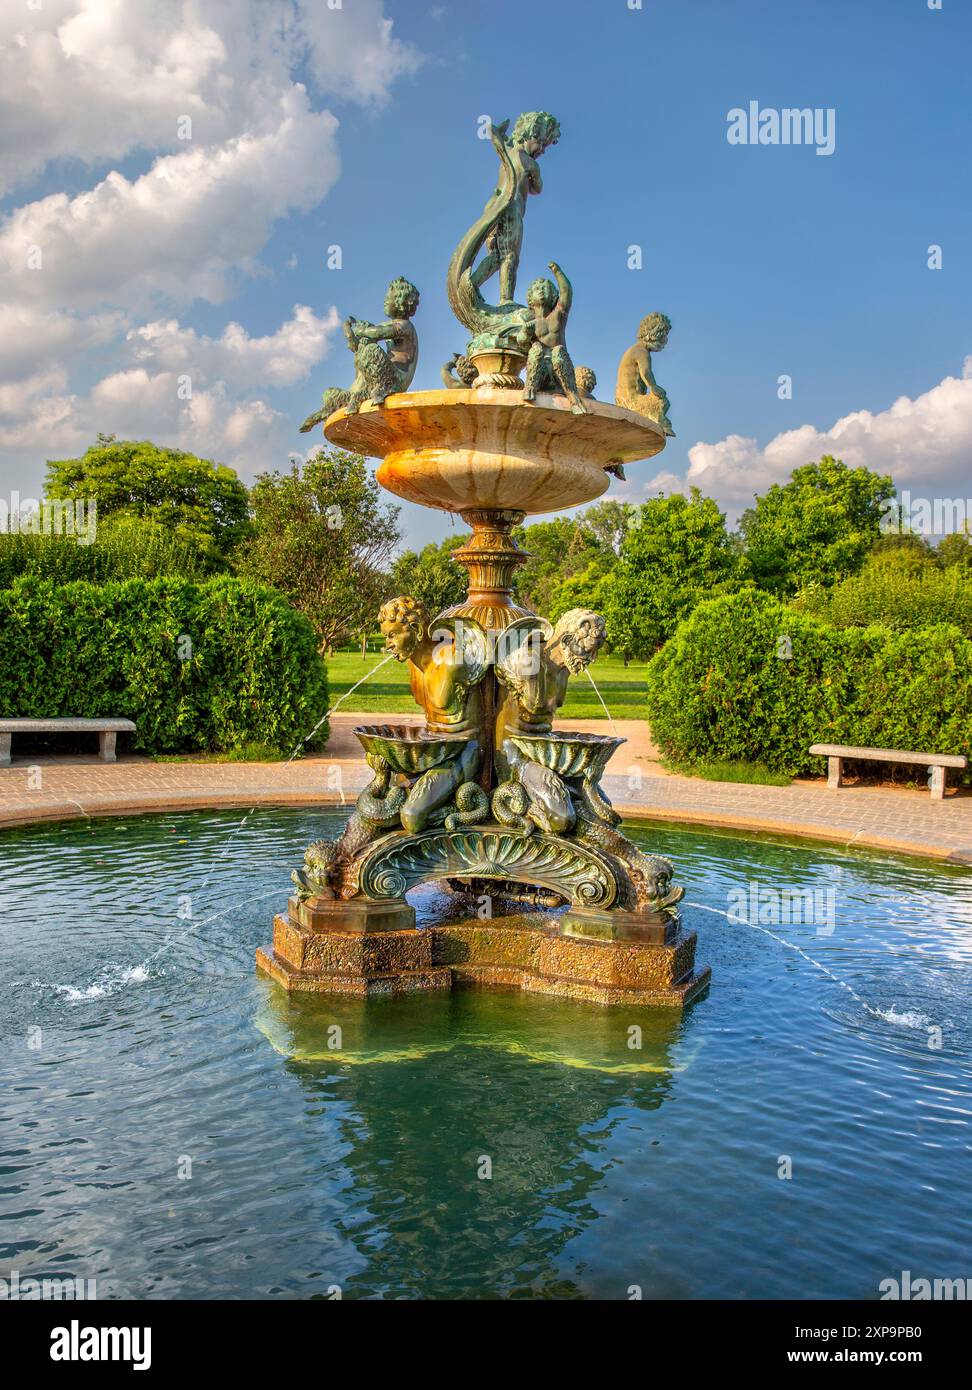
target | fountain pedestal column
[{"x": 491, "y": 556}]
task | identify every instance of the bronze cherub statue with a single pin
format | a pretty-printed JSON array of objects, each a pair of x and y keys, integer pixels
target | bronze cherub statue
[
  {"x": 378, "y": 372},
  {"x": 637, "y": 388},
  {"x": 446, "y": 667},
  {"x": 534, "y": 132},
  {"x": 548, "y": 361},
  {"x": 533, "y": 665},
  {"x": 492, "y": 245}
]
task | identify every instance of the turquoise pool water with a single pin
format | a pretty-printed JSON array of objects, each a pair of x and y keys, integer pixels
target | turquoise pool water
[{"x": 161, "y": 1053}]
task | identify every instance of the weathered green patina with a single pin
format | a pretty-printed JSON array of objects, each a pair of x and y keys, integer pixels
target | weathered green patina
[
  {"x": 378, "y": 371},
  {"x": 509, "y": 336}
]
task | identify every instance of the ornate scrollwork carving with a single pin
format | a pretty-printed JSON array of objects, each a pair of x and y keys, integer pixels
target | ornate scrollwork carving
[{"x": 577, "y": 872}]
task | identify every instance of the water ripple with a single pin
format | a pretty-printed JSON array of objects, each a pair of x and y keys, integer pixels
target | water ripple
[{"x": 174, "y": 1126}]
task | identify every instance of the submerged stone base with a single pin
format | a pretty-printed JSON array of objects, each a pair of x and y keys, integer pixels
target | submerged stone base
[
  {"x": 340, "y": 947},
  {"x": 356, "y": 947}
]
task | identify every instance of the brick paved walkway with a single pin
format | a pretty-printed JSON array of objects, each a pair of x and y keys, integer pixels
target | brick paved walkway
[{"x": 892, "y": 819}]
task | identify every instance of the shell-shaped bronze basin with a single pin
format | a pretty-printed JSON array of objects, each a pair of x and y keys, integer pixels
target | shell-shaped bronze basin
[
  {"x": 410, "y": 749},
  {"x": 569, "y": 755},
  {"x": 459, "y": 449}
]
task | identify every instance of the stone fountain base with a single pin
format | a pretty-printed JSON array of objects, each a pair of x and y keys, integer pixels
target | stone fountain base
[{"x": 374, "y": 949}]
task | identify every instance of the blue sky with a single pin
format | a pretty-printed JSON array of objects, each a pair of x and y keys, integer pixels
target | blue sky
[{"x": 770, "y": 260}]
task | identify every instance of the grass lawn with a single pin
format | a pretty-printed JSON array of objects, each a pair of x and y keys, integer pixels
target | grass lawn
[
  {"x": 388, "y": 692},
  {"x": 756, "y": 774}
]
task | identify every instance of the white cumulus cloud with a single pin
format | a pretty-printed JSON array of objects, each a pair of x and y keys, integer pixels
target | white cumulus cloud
[
  {"x": 179, "y": 229},
  {"x": 95, "y": 80},
  {"x": 32, "y": 339},
  {"x": 219, "y": 109},
  {"x": 353, "y": 51},
  {"x": 278, "y": 359},
  {"x": 924, "y": 443},
  {"x": 248, "y": 434}
]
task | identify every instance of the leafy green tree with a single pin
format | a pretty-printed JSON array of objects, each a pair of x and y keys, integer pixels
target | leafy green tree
[
  {"x": 323, "y": 536},
  {"x": 956, "y": 549},
  {"x": 430, "y": 575},
  {"x": 588, "y": 588},
  {"x": 677, "y": 553},
  {"x": 125, "y": 547},
  {"x": 894, "y": 595},
  {"x": 817, "y": 528},
  {"x": 907, "y": 553},
  {"x": 204, "y": 501},
  {"x": 129, "y": 547},
  {"x": 609, "y": 523},
  {"x": 557, "y": 549}
]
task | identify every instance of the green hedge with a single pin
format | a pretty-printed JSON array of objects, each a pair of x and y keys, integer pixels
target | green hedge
[
  {"x": 893, "y": 598},
  {"x": 747, "y": 679},
  {"x": 252, "y": 674},
  {"x": 126, "y": 547}
]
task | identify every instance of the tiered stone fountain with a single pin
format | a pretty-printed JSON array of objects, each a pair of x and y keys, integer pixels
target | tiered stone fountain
[{"x": 487, "y": 797}]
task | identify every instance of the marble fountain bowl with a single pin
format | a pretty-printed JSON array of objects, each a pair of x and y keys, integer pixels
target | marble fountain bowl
[
  {"x": 408, "y": 748},
  {"x": 569, "y": 755},
  {"x": 465, "y": 450}
]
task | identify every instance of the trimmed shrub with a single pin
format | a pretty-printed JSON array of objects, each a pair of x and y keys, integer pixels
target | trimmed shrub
[
  {"x": 198, "y": 667},
  {"x": 126, "y": 547},
  {"x": 48, "y": 557},
  {"x": 895, "y": 598},
  {"x": 747, "y": 679}
]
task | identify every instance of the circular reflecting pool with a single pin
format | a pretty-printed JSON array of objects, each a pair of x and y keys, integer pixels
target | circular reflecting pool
[{"x": 174, "y": 1125}]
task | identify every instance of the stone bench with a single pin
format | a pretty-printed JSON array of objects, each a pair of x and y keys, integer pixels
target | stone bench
[
  {"x": 106, "y": 729},
  {"x": 835, "y": 753}
]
